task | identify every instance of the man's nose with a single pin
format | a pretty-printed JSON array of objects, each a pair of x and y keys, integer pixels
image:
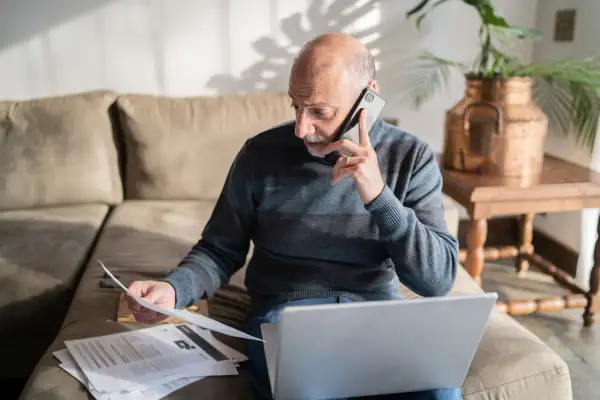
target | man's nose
[{"x": 303, "y": 128}]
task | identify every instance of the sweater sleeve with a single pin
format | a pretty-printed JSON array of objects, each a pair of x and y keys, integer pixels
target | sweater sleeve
[
  {"x": 225, "y": 241},
  {"x": 415, "y": 231}
]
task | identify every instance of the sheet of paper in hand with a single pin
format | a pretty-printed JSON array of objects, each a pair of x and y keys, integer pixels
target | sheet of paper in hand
[
  {"x": 196, "y": 319},
  {"x": 124, "y": 313}
]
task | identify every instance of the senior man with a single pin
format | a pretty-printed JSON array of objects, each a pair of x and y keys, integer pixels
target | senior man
[{"x": 323, "y": 231}]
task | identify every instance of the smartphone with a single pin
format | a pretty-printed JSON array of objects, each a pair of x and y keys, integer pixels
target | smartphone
[{"x": 368, "y": 100}]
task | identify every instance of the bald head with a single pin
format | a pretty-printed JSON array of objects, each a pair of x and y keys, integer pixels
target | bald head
[
  {"x": 337, "y": 51},
  {"x": 327, "y": 76}
]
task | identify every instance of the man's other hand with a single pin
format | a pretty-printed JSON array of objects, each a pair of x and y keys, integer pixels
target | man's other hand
[{"x": 161, "y": 294}]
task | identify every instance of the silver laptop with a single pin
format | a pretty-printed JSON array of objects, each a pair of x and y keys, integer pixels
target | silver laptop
[{"x": 370, "y": 348}]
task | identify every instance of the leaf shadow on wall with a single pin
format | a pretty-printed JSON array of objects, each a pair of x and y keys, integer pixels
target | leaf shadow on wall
[{"x": 391, "y": 39}]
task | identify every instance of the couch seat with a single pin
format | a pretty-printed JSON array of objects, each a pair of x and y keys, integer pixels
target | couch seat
[
  {"x": 511, "y": 362},
  {"x": 42, "y": 254},
  {"x": 141, "y": 240},
  {"x": 145, "y": 239}
]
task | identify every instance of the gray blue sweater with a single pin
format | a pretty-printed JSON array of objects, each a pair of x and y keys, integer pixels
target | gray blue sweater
[{"x": 312, "y": 239}]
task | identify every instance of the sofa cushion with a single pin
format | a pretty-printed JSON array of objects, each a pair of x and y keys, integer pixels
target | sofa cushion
[
  {"x": 511, "y": 362},
  {"x": 42, "y": 253},
  {"x": 141, "y": 240},
  {"x": 140, "y": 237},
  {"x": 144, "y": 239},
  {"x": 182, "y": 148},
  {"x": 58, "y": 151}
]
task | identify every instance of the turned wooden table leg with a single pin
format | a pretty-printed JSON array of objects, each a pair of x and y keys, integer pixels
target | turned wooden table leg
[
  {"x": 593, "y": 306},
  {"x": 525, "y": 246},
  {"x": 476, "y": 235}
]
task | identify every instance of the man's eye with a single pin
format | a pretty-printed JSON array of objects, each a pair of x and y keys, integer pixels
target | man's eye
[{"x": 322, "y": 113}]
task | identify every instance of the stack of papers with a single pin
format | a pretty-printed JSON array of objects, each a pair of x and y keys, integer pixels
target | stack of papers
[
  {"x": 147, "y": 363},
  {"x": 153, "y": 362}
]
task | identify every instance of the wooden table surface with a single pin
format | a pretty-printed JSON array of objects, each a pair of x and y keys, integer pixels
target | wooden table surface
[{"x": 562, "y": 186}]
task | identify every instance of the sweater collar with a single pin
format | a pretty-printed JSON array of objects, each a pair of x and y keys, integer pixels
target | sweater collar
[{"x": 375, "y": 132}]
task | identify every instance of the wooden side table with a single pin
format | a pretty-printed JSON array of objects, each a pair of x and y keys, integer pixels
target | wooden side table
[{"x": 561, "y": 187}]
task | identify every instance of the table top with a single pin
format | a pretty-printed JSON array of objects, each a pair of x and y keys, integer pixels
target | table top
[{"x": 559, "y": 179}]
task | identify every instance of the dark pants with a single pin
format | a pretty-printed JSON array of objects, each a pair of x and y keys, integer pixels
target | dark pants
[{"x": 256, "y": 366}]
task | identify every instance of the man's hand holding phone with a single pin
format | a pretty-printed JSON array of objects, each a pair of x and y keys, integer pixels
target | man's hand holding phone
[{"x": 361, "y": 165}]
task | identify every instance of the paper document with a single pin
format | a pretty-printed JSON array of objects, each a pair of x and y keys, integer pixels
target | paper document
[
  {"x": 187, "y": 316},
  {"x": 157, "y": 389},
  {"x": 144, "y": 393},
  {"x": 137, "y": 360}
]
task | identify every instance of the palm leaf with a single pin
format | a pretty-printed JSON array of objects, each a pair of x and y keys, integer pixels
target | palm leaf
[
  {"x": 510, "y": 33},
  {"x": 554, "y": 99},
  {"x": 568, "y": 92},
  {"x": 428, "y": 78},
  {"x": 585, "y": 113}
]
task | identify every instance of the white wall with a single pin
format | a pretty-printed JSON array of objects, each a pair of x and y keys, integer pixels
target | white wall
[
  {"x": 205, "y": 47},
  {"x": 576, "y": 229}
]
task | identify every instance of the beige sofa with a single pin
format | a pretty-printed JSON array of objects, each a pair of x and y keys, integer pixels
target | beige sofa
[{"x": 131, "y": 180}]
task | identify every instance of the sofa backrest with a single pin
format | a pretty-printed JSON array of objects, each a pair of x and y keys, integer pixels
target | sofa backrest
[
  {"x": 182, "y": 148},
  {"x": 58, "y": 151},
  {"x": 72, "y": 150}
]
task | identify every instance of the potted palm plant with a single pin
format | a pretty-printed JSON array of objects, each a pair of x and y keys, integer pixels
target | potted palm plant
[{"x": 500, "y": 125}]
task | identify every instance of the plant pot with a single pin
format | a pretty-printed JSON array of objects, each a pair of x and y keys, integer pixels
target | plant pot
[{"x": 496, "y": 129}]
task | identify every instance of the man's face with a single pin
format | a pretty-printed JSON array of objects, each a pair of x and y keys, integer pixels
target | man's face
[{"x": 322, "y": 99}]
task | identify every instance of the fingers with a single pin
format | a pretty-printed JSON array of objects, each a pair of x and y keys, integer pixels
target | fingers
[
  {"x": 148, "y": 292},
  {"x": 138, "y": 288},
  {"x": 339, "y": 165},
  {"x": 350, "y": 148},
  {"x": 345, "y": 146},
  {"x": 363, "y": 133},
  {"x": 146, "y": 316},
  {"x": 153, "y": 294},
  {"x": 348, "y": 172},
  {"x": 347, "y": 167}
]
